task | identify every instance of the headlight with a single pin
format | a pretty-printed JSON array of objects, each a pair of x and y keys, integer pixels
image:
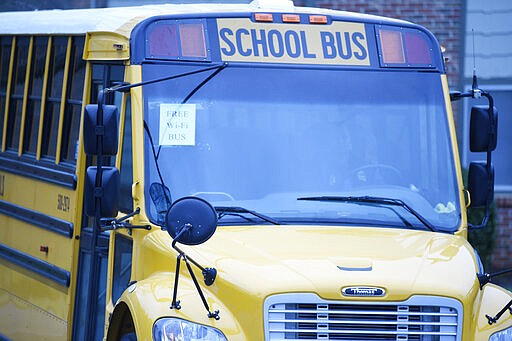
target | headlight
[
  {"x": 173, "y": 329},
  {"x": 504, "y": 335}
]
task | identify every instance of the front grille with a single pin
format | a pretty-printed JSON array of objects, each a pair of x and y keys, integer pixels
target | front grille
[{"x": 307, "y": 317}]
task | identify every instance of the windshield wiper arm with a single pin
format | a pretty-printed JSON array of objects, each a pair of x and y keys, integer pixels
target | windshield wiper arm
[
  {"x": 374, "y": 200},
  {"x": 226, "y": 210},
  {"x": 206, "y": 80},
  {"x": 125, "y": 87}
]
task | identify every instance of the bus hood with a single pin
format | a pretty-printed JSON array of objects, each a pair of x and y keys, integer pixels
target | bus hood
[{"x": 265, "y": 260}]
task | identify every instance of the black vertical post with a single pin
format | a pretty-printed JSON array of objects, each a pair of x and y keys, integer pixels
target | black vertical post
[{"x": 98, "y": 194}]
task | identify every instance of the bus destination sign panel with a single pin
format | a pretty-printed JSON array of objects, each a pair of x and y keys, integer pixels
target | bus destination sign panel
[{"x": 340, "y": 43}]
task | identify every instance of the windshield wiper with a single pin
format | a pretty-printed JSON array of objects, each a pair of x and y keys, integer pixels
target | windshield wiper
[
  {"x": 374, "y": 201},
  {"x": 238, "y": 211}
]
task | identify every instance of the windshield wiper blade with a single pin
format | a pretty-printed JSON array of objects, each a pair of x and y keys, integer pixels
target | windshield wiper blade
[
  {"x": 376, "y": 201},
  {"x": 226, "y": 210}
]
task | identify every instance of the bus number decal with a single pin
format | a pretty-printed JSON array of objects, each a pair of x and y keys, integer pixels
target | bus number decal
[
  {"x": 341, "y": 43},
  {"x": 63, "y": 203}
]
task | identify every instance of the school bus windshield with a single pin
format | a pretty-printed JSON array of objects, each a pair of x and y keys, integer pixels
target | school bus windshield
[{"x": 260, "y": 138}]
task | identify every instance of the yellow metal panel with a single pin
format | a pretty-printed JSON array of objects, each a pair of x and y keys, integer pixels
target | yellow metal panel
[
  {"x": 106, "y": 46},
  {"x": 133, "y": 74},
  {"x": 311, "y": 51},
  {"x": 52, "y": 200},
  {"x": 47, "y": 199},
  {"x": 29, "y": 239},
  {"x": 122, "y": 116},
  {"x": 42, "y": 300},
  {"x": 451, "y": 123},
  {"x": 490, "y": 301},
  {"x": 38, "y": 316}
]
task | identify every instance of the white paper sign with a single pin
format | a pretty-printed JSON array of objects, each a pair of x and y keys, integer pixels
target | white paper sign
[{"x": 177, "y": 124}]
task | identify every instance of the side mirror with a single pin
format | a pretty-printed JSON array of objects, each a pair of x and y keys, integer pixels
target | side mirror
[
  {"x": 483, "y": 130},
  {"x": 480, "y": 184},
  {"x": 191, "y": 220},
  {"x": 110, "y": 181},
  {"x": 108, "y": 128},
  {"x": 161, "y": 197}
]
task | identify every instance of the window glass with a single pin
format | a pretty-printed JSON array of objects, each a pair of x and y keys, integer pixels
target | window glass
[
  {"x": 100, "y": 299},
  {"x": 5, "y": 57},
  {"x": 122, "y": 265},
  {"x": 104, "y": 76},
  {"x": 54, "y": 93},
  {"x": 262, "y": 144},
  {"x": 17, "y": 88},
  {"x": 38, "y": 62},
  {"x": 77, "y": 69},
  {"x": 126, "y": 202},
  {"x": 71, "y": 127}
]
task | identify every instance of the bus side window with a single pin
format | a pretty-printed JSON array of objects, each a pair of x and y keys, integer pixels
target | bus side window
[
  {"x": 35, "y": 94},
  {"x": 5, "y": 57},
  {"x": 104, "y": 76},
  {"x": 126, "y": 167},
  {"x": 54, "y": 97},
  {"x": 17, "y": 91},
  {"x": 122, "y": 265},
  {"x": 71, "y": 125}
]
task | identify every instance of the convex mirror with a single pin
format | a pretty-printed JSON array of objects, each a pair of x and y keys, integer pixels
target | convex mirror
[{"x": 196, "y": 216}]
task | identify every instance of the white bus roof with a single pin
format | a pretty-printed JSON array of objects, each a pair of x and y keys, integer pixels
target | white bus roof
[{"x": 122, "y": 19}]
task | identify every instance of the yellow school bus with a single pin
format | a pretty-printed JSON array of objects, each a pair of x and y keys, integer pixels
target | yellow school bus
[{"x": 237, "y": 172}]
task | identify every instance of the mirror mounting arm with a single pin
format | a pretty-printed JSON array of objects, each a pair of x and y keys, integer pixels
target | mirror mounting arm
[
  {"x": 208, "y": 273},
  {"x": 490, "y": 179},
  {"x": 475, "y": 92},
  {"x": 493, "y": 319},
  {"x": 487, "y": 277},
  {"x": 120, "y": 223},
  {"x": 113, "y": 226}
]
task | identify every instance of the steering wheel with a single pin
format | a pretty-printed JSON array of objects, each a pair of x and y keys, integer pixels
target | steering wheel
[
  {"x": 377, "y": 174},
  {"x": 214, "y": 196}
]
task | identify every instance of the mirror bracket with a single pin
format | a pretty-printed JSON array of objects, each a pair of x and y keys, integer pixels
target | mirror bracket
[
  {"x": 208, "y": 273},
  {"x": 116, "y": 224},
  {"x": 476, "y": 93}
]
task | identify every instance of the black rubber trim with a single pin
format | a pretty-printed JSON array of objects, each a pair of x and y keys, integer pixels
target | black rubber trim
[
  {"x": 38, "y": 219},
  {"x": 61, "y": 177},
  {"x": 40, "y": 267}
]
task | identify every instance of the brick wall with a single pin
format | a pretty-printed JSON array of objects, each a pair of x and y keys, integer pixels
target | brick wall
[
  {"x": 503, "y": 241},
  {"x": 444, "y": 18}
]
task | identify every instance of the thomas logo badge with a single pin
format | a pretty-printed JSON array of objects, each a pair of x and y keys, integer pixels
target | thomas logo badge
[{"x": 363, "y": 292}]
